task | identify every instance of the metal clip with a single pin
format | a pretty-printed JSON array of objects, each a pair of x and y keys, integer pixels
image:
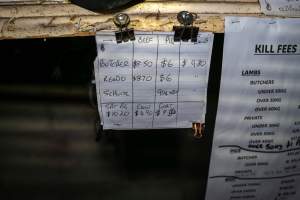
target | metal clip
[
  {"x": 187, "y": 31},
  {"x": 198, "y": 129},
  {"x": 124, "y": 34}
]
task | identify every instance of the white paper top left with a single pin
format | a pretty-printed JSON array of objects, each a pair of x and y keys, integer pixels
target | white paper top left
[
  {"x": 288, "y": 8},
  {"x": 152, "y": 82}
]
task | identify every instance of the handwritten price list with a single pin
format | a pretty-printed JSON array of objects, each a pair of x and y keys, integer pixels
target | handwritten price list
[{"x": 152, "y": 82}]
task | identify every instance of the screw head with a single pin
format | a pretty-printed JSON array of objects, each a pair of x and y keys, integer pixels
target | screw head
[
  {"x": 121, "y": 19},
  {"x": 185, "y": 18}
]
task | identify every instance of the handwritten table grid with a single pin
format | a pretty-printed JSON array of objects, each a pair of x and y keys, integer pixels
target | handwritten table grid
[{"x": 145, "y": 84}]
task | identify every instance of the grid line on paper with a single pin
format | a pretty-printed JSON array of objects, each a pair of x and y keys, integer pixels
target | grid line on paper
[
  {"x": 178, "y": 83},
  {"x": 149, "y": 102},
  {"x": 157, "y": 36},
  {"x": 132, "y": 100},
  {"x": 101, "y": 115}
]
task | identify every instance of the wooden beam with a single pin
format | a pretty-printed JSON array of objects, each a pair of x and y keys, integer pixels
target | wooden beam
[
  {"x": 143, "y": 8},
  {"x": 13, "y": 2},
  {"x": 43, "y": 11},
  {"x": 41, "y": 21}
]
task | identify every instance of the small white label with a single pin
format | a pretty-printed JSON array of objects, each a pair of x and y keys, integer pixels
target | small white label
[{"x": 281, "y": 7}]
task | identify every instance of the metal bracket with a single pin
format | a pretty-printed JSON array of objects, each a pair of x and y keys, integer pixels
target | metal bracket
[{"x": 198, "y": 129}]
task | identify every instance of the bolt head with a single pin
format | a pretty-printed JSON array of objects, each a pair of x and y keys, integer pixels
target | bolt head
[
  {"x": 185, "y": 18},
  {"x": 121, "y": 19}
]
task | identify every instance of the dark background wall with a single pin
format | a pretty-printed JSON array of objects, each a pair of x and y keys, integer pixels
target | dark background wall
[{"x": 47, "y": 132}]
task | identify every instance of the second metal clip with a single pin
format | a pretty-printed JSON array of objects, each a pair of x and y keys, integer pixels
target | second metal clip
[{"x": 187, "y": 31}]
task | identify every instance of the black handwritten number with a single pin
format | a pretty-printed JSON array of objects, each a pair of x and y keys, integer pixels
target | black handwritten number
[
  {"x": 123, "y": 106},
  {"x": 289, "y": 144},
  {"x": 149, "y": 112},
  {"x": 298, "y": 141},
  {"x": 102, "y": 47},
  {"x": 166, "y": 63},
  {"x": 118, "y": 114},
  {"x": 157, "y": 112},
  {"x": 115, "y": 114},
  {"x": 172, "y": 111},
  {"x": 165, "y": 112},
  {"x": 124, "y": 113},
  {"x": 138, "y": 63},
  {"x": 194, "y": 63},
  {"x": 165, "y": 77},
  {"x": 198, "y": 63},
  {"x": 140, "y": 77},
  {"x": 147, "y": 63},
  {"x": 184, "y": 61},
  {"x": 143, "y": 112}
]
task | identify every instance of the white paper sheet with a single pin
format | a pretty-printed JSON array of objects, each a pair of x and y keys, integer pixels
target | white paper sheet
[
  {"x": 256, "y": 145},
  {"x": 280, "y": 7},
  {"x": 141, "y": 86}
]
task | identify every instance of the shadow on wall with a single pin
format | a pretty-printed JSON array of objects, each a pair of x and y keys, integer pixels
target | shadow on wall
[{"x": 47, "y": 140}]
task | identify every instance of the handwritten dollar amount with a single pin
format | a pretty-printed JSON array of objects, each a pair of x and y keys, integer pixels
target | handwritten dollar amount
[
  {"x": 140, "y": 77},
  {"x": 193, "y": 63},
  {"x": 166, "y": 109},
  {"x": 117, "y": 110},
  {"x": 143, "y": 64},
  {"x": 147, "y": 78},
  {"x": 117, "y": 113},
  {"x": 143, "y": 113}
]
